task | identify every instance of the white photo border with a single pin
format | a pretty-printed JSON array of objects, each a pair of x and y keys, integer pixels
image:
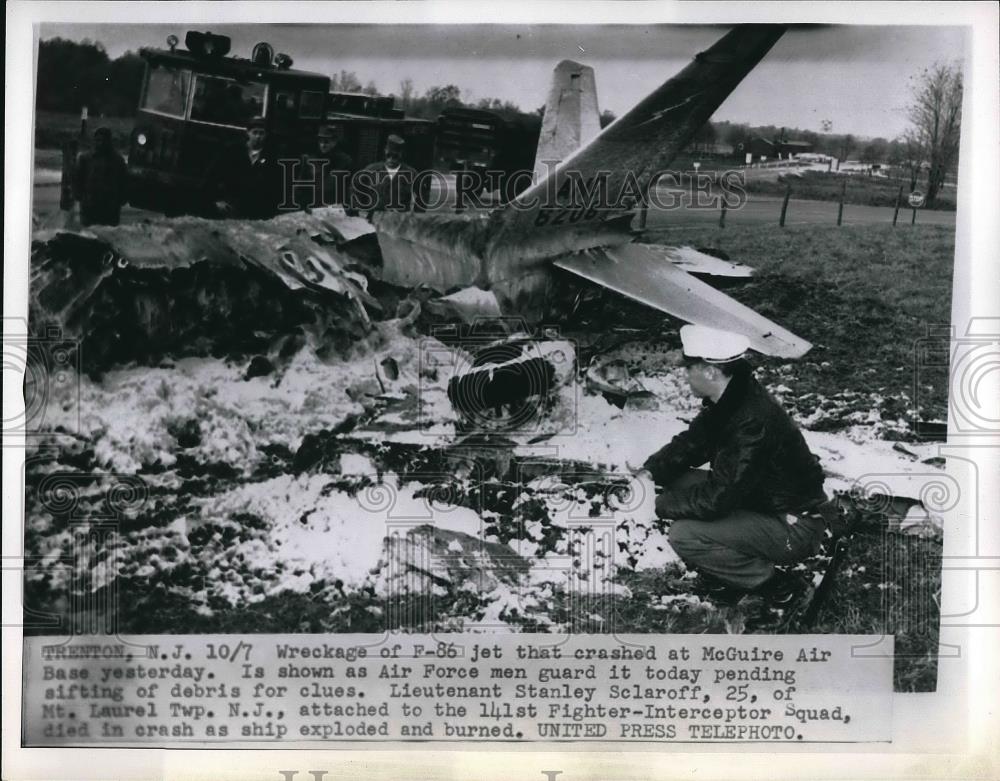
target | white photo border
[{"x": 951, "y": 731}]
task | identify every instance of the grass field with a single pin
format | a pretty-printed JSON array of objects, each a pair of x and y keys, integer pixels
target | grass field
[{"x": 864, "y": 296}]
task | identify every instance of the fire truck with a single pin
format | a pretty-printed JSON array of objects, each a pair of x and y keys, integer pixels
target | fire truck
[{"x": 197, "y": 102}]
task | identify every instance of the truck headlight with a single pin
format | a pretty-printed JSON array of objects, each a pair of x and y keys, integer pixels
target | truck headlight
[{"x": 141, "y": 139}]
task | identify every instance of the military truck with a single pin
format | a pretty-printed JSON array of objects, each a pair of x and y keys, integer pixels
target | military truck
[{"x": 196, "y": 103}]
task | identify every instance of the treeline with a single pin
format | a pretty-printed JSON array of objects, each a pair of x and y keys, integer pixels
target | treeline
[
  {"x": 74, "y": 74},
  {"x": 436, "y": 99}
]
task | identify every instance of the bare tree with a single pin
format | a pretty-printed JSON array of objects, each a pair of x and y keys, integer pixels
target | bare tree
[
  {"x": 370, "y": 88},
  {"x": 345, "y": 81},
  {"x": 912, "y": 155},
  {"x": 844, "y": 147},
  {"x": 406, "y": 92},
  {"x": 449, "y": 95},
  {"x": 936, "y": 114}
]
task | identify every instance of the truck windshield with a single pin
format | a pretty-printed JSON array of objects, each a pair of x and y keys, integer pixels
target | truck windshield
[
  {"x": 222, "y": 101},
  {"x": 167, "y": 90}
]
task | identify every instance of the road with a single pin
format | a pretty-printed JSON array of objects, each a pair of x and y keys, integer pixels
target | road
[
  {"x": 765, "y": 209},
  {"x": 757, "y": 210}
]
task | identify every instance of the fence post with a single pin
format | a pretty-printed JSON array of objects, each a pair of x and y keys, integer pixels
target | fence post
[
  {"x": 899, "y": 198},
  {"x": 643, "y": 212},
  {"x": 840, "y": 209},
  {"x": 784, "y": 205},
  {"x": 644, "y": 207},
  {"x": 722, "y": 214}
]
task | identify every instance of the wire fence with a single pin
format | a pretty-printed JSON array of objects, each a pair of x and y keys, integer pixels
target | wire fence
[{"x": 721, "y": 208}]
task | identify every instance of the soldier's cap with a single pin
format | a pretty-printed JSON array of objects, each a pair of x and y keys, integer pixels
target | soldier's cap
[
  {"x": 330, "y": 131},
  {"x": 712, "y": 345},
  {"x": 396, "y": 141},
  {"x": 257, "y": 122}
]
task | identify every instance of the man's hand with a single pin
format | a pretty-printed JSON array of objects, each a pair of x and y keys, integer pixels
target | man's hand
[
  {"x": 663, "y": 510},
  {"x": 640, "y": 498}
]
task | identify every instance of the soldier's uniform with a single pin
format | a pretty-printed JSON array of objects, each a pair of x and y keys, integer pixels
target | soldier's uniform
[
  {"x": 250, "y": 180},
  {"x": 100, "y": 182},
  {"x": 761, "y": 502},
  {"x": 338, "y": 169},
  {"x": 386, "y": 185}
]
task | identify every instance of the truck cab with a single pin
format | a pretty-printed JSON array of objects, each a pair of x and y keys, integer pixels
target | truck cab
[{"x": 195, "y": 106}]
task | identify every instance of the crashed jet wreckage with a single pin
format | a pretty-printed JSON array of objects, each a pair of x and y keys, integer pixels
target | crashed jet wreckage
[{"x": 516, "y": 252}]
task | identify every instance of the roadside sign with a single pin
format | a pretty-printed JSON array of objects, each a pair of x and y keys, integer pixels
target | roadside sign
[{"x": 916, "y": 199}]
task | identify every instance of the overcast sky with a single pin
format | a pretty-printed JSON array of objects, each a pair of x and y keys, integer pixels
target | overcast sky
[{"x": 857, "y": 77}]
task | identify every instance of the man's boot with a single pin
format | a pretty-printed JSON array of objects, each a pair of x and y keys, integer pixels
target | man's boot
[
  {"x": 778, "y": 596},
  {"x": 718, "y": 591},
  {"x": 782, "y": 589}
]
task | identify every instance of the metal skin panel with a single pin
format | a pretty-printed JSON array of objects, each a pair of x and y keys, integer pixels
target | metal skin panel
[
  {"x": 634, "y": 271},
  {"x": 450, "y": 251},
  {"x": 281, "y": 247},
  {"x": 695, "y": 262}
]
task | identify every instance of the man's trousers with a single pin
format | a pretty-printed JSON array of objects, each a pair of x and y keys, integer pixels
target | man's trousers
[{"x": 742, "y": 547}]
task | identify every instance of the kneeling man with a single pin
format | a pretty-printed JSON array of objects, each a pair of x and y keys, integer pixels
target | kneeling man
[{"x": 761, "y": 502}]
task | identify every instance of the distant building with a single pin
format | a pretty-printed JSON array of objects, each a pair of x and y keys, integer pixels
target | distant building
[
  {"x": 773, "y": 150},
  {"x": 710, "y": 150},
  {"x": 792, "y": 148}
]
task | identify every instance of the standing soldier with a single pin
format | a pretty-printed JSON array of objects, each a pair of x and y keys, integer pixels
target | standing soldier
[
  {"x": 100, "y": 182},
  {"x": 251, "y": 181},
  {"x": 339, "y": 165},
  {"x": 386, "y": 185}
]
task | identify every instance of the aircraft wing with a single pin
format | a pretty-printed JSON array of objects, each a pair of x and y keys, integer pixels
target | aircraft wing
[
  {"x": 696, "y": 262},
  {"x": 635, "y": 271}
]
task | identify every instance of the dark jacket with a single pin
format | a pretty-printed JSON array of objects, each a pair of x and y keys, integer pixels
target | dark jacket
[
  {"x": 759, "y": 459},
  {"x": 337, "y": 177},
  {"x": 255, "y": 190},
  {"x": 375, "y": 190},
  {"x": 100, "y": 185}
]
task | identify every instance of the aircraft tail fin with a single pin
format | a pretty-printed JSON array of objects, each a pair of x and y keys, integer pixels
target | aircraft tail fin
[
  {"x": 614, "y": 169},
  {"x": 571, "y": 118}
]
